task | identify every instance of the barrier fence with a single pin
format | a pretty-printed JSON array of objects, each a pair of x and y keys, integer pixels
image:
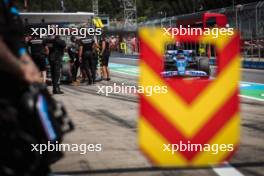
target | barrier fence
[{"x": 248, "y": 18}]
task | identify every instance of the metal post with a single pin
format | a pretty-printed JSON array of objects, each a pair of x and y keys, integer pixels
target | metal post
[
  {"x": 257, "y": 18},
  {"x": 95, "y": 7},
  {"x": 62, "y": 5},
  {"x": 259, "y": 50},
  {"x": 238, "y": 7},
  {"x": 130, "y": 13},
  {"x": 251, "y": 40}
]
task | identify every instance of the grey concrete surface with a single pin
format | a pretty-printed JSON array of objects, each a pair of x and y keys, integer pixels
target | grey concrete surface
[{"x": 112, "y": 122}]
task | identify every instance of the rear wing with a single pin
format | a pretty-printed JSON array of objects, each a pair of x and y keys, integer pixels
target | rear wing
[{"x": 185, "y": 52}]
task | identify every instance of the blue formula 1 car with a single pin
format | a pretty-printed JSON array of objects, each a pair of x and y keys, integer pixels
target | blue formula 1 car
[{"x": 183, "y": 63}]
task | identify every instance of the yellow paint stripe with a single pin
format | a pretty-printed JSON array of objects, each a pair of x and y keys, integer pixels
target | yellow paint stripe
[
  {"x": 211, "y": 100},
  {"x": 155, "y": 38},
  {"x": 152, "y": 142},
  {"x": 100, "y": 23},
  {"x": 229, "y": 134},
  {"x": 95, "y": 22},
  {"x": 189, "y": 119}
]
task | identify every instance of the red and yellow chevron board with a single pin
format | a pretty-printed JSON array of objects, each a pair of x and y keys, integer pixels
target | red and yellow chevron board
[{"x": 197, "y": 122}]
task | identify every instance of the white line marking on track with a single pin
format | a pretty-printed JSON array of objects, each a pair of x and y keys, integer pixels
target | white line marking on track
[
  {"x": 227, "y": 170},
  {"x": 258, "y": 99},
  {"x": 130, "y": 70},
  {"x": 252, "y": 83},
  {"x": 123, "y": 73},
  {"x": 125, "y": 58}
]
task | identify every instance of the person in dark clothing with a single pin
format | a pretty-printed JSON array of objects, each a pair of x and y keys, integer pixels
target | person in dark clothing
[
  {"x": 87, "y": 60},
  {"x": 26, "y": 40},
  {"x": 105, "y": 54},
  {"x": 55, "y": 60},
  {"x": 94, "y": 62},
  {"x": 73, "y": 54},
  {"x": 39, "y": 50},
  {"x": 16, "y": 70}
]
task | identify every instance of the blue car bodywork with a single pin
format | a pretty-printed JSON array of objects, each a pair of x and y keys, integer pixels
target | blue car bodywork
[{"x": 183, "y": 64}]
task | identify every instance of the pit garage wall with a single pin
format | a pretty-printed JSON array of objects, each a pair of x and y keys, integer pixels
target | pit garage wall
[{"x": 246, "y": 63}]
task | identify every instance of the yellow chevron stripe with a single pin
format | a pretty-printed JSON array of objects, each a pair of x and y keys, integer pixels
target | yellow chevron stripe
[
  {"x": 189, "y": 119},
  {"x": 98, "y": 23},
  {"x": 229, "y": 134},
  {"x": 182, "y": 115},
  {"x": 155, "y": 39},
  {"x": 95, "y": 22},
  {"x": 151, "y": 141}
]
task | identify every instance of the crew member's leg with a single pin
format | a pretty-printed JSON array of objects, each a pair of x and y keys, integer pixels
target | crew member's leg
[
  {"x": 37, "y": 60},
  {"x": 55, "y": 73},
  {"x": 87, "y": 67},
  {"x": 100, "y": 70},
  {"x": 76, "y": 65},
  {"x": 52, "y": 71},
  {"x": 93, "y": 64},
  {"x": 105, "y": 66},
  {"x": 57, "y": 76},
  {"x": 42, "y": 68}
]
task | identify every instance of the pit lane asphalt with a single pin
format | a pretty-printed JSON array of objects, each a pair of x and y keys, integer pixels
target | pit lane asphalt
[{"x": 112, "y": 121}]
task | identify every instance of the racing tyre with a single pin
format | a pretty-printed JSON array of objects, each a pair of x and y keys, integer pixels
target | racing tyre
[{"x": 203, "y": 65}]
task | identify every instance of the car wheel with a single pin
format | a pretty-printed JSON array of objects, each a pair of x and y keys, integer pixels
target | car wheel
[{"x": 203, "y": 65}]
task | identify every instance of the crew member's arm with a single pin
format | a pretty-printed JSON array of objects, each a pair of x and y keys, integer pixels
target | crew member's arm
[
  {"x": 103, "y": 47},
  {"x": 95, "y": 46},
  {"x": 47, "y": 50},
  {"x": 46, "y": 47},
  {"x": 80, "y": 53}
]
